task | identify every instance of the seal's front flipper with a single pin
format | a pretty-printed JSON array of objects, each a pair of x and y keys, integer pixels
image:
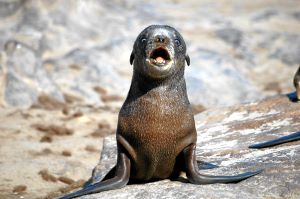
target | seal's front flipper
[
  {"x": 195, "y": 177},
  {"x": 284, "y": 139},
  {"x": 120, "y": 179},
  {"x": 109, "y": 175}
]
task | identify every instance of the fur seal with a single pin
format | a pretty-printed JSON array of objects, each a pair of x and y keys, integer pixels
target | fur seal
[
  {"x": 284, "y": 139},
  {"x": 156, "y": 134},
  {"x": 297, "y": 83}
]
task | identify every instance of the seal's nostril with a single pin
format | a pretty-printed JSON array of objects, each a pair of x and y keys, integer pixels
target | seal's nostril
[{"x": 160, "y": 39}]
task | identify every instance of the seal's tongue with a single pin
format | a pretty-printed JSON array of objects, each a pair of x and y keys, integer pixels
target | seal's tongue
[{"x": 160, "y": 60}]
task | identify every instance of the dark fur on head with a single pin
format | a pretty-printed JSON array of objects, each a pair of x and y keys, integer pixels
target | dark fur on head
[{"x": 152, "y": 38}]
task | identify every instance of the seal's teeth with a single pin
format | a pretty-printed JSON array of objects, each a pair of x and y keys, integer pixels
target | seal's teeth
[{"x": 159, "y": 61}]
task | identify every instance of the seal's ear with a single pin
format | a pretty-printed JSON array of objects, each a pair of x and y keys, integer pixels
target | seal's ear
[
  {"x": 187, "y": 59},
  {"x": 131, "y": 58}
]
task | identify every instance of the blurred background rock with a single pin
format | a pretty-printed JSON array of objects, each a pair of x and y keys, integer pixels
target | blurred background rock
[{"x": 240, "y": 50}]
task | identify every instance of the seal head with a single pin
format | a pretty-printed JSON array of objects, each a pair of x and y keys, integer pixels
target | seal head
[{"x": 158, "y": 52}]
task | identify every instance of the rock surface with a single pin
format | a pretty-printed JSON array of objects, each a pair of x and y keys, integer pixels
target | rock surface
[
  {"x": 223, "y": 139},
  {"x": 69, "y": 47}
]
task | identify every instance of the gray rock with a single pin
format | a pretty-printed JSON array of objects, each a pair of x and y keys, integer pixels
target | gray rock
[
  {"x": 265, "y": 15},
  {"x": 230, "y": 35},
  {"x": 108, "y": 159},
  {"x": 25, "y": 74},
  {"x": 223, "y": 139},
  {"x": 81, "y": 70},
  {"x": 33, "y": 20},
  {"x": 296, "y": 15},
  {"x": 215, "y": 75},
  {"x": 9, "y": 7},
  {"x": 17, "y": 93},
  {"x": 288, "y": 53}
]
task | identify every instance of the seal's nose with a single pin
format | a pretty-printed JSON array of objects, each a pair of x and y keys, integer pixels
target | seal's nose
[{"x": 160, "y": 39}]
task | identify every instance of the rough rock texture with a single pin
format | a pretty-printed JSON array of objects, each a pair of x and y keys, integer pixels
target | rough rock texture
[
  {"x": 223, "y": 138},
  {"x": 68, "y": 47}
]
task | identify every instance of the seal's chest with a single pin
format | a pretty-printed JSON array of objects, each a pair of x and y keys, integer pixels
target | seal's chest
[{"x": 154, "y": 118}]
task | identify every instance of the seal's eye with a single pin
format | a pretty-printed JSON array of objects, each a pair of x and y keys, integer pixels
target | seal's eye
[
  {"x": 143, "y": 40},
  {"x": 177, "y": 42}
]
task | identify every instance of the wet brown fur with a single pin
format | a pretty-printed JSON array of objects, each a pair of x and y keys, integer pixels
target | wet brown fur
[{"x": 157, "y": 122}]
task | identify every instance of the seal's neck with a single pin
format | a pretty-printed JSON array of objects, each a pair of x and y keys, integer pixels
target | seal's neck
[{"x": 142, "y": 85}]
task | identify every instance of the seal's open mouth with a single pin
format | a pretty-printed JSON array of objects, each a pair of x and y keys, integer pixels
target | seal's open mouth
[{"x": 160, "y": 57}]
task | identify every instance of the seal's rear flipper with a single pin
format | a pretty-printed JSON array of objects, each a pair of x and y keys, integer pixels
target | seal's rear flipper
[
  {"x": 207, "y": 179},
  {"x": 284, "y": 139},
  {"x": 195, "y": 177}
]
